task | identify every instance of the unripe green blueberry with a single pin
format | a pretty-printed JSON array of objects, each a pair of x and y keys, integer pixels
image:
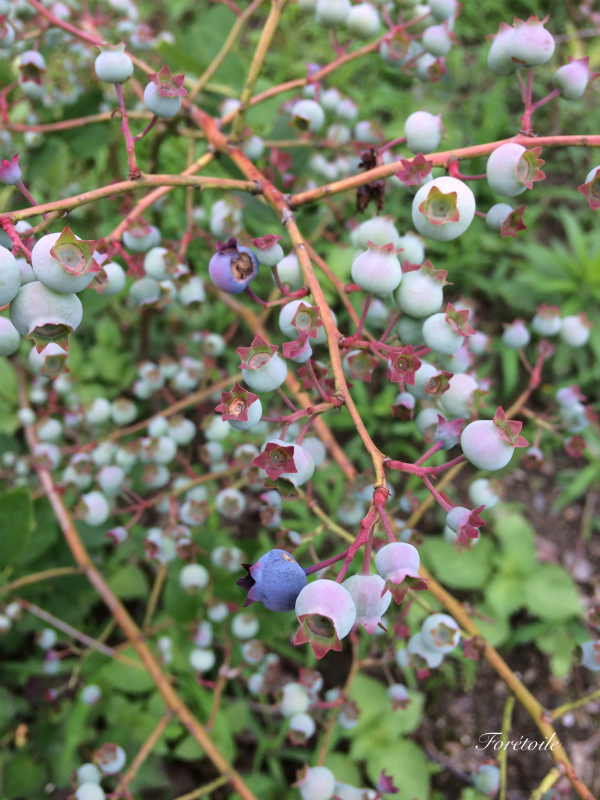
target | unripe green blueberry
[
  {"x": 330, "y": 13},
  {"x": 308, "y": 114},
  {"x": 317, "y": 784},
  {"x": 440, "y": 336},
  {"x": 295, "y": 699},
  {"x": 510, "y": 168},
  {"x": 253, "y": 148},
  {"x": 426, "y": 421},
  {"x": 159, "y": 105},
  {"x": 423, "y": 132},
  {"x": 141, "y": 237},
  {"x": 443, "y": 209},
  {"x": 27, "y": 273},
  {"x": 114, "y": 65},
  {"x": 7, "y": 32},
  {"x": 440, "y": 633},
  {"x": 362, "y": 21},
  {"x": 442, "y": 9},
  {"x": 202, "y": 660},
  {"x": 436, "y": 40},
  {"x": 53, "y": 273},
  {"x": 90, "y": 791},
  {"x": 93, "y": 508},
  {"x": 144, "y": 291},
  {"x": 245, "y": 625},
  {"x": 113, "y": 278},
  {"x": 496, "y": 216},
  {"x": 482, "y": 493},
  {"x": 498, "y": 59},
  {"x": 9, "y": 338},
  {"x": 422, "y": 377},
  {"x": 410, "y": 330},
  {"x": 516, "y": 335},
  {"x": 379, "y": 230},
  {"x": 413, "y": 249},
  {"x": 377, "y": 270},
  {"x": 10, "y": 276},
  {"x": 88, "y": 773},
  {"x": 44, "y": 315},
  {"x": 419, "y": 295}
]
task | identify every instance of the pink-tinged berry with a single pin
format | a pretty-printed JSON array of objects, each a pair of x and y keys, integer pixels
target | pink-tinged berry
[
  {"x": 574, "y": 330},
  {"x": 489, "y": 444},
  {"x": 443, "y": 209},
  {"x": 591, "y": 188},
  {"x": 290, "y": 461},
  {"x": 423, "y": 132},
  {"x": 447, "y": 432},
  {"x": 113, "y": 65},
  {"x": 421, "y": 292},
  {"x": 547, "y": 320},
  {"x": 404, "y": 406},
  {"x": 269, "y": 252},
  {"x": 240, "y": 408},
  {"x": 511, "y": 169},
  {"x": 275, "y": 580},
  {"x": 162, "y": 96},
  {"x": 573, "y": 78},
  {"x": 359, "y": 365},
  {"x": 299, "y": 350},
  {"x": 262, "y": 369},
  {"x": 326, "y": 613},
  {"x": 45, "y": 316},
  {"x": 459, "y": 398},
  {"x": 10, "y": 172},
  {"x": 590, "y": 652},
  {"x": 530, "y": 43},
  {"x": 307, "y": 115},
  {"x": 464, "y": 523},
  {"x": 444, "y": 333},
  {"x": 233, "y": 267},
  {"x": 516, "y": 335},
  {"x": 110, "y": 759},
  {"x": 403, "y": 365},
  {"x": 370, "y": 598},
  {"x": 378, "y": 269},
  {"x": 63, "y": 262},
  {"x": 398, "y": 564},
  {"x": 315, "y": 783}
]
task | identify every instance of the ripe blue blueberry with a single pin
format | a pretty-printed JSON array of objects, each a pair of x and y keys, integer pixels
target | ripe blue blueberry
[{"x": 275, "y": 580}]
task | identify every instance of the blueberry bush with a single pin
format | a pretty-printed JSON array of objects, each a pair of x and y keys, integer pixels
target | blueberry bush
[{"x": 298, "y": 440}]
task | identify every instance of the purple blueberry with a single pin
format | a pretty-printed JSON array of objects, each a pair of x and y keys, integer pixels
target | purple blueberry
[
  {"x": 232, "y": 268},
  {"x": 275, "y": 580}
]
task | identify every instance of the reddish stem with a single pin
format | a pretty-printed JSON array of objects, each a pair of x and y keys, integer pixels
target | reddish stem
[
  {"x": 134, "y": 170},
  {"x": 326, "y": 563}
]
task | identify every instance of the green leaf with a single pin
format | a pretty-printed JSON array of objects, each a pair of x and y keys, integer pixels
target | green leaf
[
  {"x": 125, "y": 678},
  {"x": 517, "y": 539},
  {"x": 129, "y": 582},
  {"x": 17, "y": 521},
  {"x": 405, "y": 762},
  {"x": 459, "y": 569},
  {"x": 550, "y": 593},
  {"x": 23, "y": 777},
  {"x": 579, "y": 485}
]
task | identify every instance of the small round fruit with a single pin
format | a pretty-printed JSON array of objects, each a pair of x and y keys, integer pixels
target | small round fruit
[
  {"x": 443, "y": 209},
  {"x": 114, "y": 65},
  {"x": 308, "y": 115},
  {"x": 10, "y": 276},
  {"x": 9, "y": 337},
  {"x": 484, "y": 447},
  {"x": 377, "y": 270}
]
